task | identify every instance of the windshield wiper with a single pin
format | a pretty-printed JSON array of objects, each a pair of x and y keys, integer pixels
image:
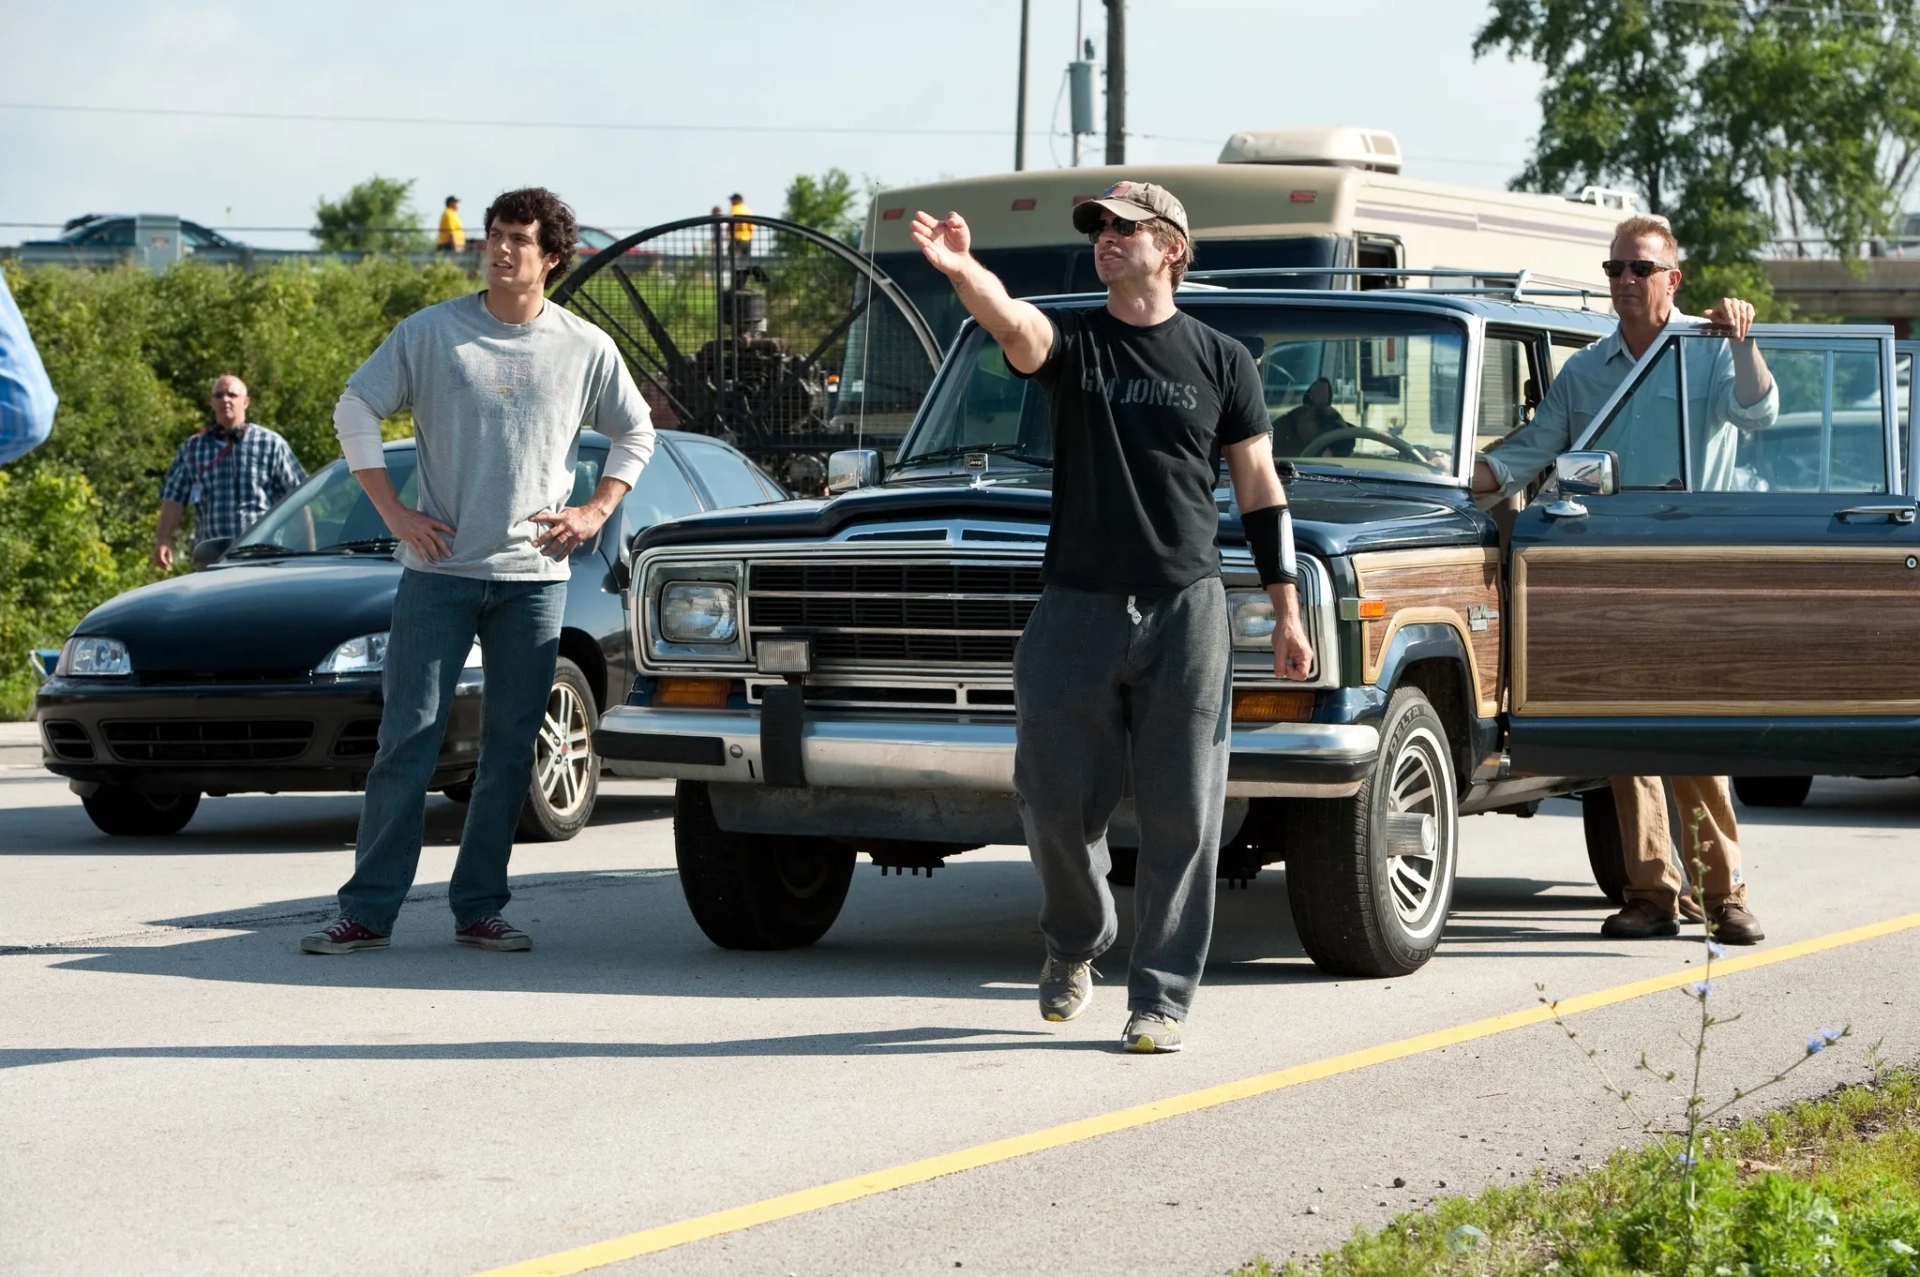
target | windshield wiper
[
  {"x": 263, "y": 550},
  {"x": 267, "y": 550},
  {"x": 962, "y": 449},
  {"x": 370, "y": 544}
]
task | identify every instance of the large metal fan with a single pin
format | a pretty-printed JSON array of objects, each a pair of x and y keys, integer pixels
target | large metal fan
[{"x": 782, "y": 341}]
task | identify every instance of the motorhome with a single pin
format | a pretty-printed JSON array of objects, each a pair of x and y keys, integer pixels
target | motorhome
[{"x": 1328, "y": 198}]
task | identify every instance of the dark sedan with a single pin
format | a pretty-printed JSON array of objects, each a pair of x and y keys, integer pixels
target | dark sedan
[{"x": 262, "y": 673}]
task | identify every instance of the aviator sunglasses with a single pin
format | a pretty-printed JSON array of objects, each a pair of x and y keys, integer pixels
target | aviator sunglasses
[
  {"x": 1641, "y": 267},
  {"x": 1125, "y": 226}
]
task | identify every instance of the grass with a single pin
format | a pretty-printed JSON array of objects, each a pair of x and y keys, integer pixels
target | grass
[{"x": 1828, "y": 1186}]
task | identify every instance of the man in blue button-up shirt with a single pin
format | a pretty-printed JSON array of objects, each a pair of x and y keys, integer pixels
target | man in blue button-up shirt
[
  {"x": 27, "y": 400},
  {"x": 1731, "y": 390}
]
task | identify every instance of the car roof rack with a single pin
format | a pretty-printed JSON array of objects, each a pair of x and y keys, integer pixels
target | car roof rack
[{"x": 1514, "y": 285}]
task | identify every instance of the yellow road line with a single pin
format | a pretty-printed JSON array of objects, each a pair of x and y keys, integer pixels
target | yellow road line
[{"x": 667, "y": 1236}]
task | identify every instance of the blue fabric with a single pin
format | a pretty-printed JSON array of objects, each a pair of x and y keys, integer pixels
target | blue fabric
[
  {"x": 231, "y": 482},
  {"x": 436, "y": 618},
  {"x": 27, "y": 400}
]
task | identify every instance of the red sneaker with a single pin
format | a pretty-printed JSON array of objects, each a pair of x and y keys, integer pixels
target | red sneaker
[
  {"x": 342, "y": 935},
  {"x": 494, "y": 933}
]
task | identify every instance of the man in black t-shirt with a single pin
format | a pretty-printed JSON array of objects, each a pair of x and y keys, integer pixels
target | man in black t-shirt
[{"x": 1126, "y": 661}]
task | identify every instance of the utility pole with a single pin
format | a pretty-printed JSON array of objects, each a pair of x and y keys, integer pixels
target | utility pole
[
  {"x": 1020, "y": 100},
  {"x": 1116, "y": 81}
]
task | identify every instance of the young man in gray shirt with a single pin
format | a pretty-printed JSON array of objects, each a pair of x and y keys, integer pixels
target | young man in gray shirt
[{"x": 500, "y": 383}]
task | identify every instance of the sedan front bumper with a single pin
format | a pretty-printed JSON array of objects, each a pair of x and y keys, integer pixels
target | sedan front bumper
[
  {"x": 922, "y": 752},
  {"x": 233, "y": 738}
]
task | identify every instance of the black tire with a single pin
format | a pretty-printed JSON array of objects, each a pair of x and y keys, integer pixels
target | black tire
[
  {"x": 1126, "y": 862},
  {"x": 1772, "y": 791},
  {"x": 460, "y": 791},
  {"x": 125, "y": 812},
  {"x": 755, "y": 891},
  {"x": 566, "y": 772},
  {"x": 1606, "y": 855},
  {"x": 1360, "y": 907}
]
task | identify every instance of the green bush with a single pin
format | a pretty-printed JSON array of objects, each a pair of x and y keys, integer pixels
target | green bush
[
  {"x": 57, "y": 567},
  {"x": 133, "y": 356}
]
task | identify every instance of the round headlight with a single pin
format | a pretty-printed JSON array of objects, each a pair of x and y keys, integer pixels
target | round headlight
[
  {"x": 364, "y": 655},
  {"x": 94, "y": 658},
  {"x": 1250, "y": 618},
  {"x": 698, "y": 612}
]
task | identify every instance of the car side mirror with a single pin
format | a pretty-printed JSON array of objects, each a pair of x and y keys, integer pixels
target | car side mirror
[
  {"x": 1583, "y": 474},
  {"x": 1587, "y": 474},
  {"x": 853, "y": 468},
  {"x": 207, "y": 553}
]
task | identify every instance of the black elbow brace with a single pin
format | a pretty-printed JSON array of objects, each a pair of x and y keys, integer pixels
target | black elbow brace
[{"x": 1270, "y": 537}]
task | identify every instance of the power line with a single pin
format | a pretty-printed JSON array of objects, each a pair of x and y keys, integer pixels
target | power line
[{"x": 292, "y": 117}]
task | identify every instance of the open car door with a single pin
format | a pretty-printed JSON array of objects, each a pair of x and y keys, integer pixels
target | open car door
[{"x": 1743, "y": 595}]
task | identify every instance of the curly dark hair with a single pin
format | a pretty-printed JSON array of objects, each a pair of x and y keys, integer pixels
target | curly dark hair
[{"x": 558, "y": 231}]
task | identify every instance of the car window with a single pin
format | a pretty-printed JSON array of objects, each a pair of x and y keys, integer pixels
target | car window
[
  {"x": 1823, "y": 429},
  {"x": 661, "y": 493},
  {"x": 1903, "y": 408},
  {"x": 586, "y": 476},
  {"x": 725, "y": 475},
  {"x": 1644, "y": 429},
  {"x": 1503, "y": 382}
]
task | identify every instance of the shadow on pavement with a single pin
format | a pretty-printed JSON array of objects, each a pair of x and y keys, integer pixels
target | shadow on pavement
[
  {"x": 263, "y": 824},
  {"x": 920, "y": 1041}
]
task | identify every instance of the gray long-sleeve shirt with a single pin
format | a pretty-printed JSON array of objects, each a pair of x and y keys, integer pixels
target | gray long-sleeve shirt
[
  {"x": 497, "y": 414},
  {"x": 1589, "y": 379}
]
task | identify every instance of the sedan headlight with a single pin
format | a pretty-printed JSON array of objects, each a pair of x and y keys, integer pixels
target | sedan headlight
[
  {"x": 1250, "y": 618},
  {"x": 699, "y": 612},
  {"x": 94, "y": 658},
  {"x": 364, "y": 655}
]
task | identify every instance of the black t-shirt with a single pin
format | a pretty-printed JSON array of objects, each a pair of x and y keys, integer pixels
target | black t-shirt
[{"x": 1139, "y": 417}]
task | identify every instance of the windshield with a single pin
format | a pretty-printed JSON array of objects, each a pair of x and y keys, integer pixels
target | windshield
[
  {"x": 1375, "y": 391},
  {"x": 1068, "y": 268},
  {"x": 331, "y": 514}
]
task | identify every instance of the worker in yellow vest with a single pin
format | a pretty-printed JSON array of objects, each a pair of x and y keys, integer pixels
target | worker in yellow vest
[{"x": 453, "y": 237}]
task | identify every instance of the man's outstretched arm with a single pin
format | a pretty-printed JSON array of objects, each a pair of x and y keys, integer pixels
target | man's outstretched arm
[{"x": 1024, "y": 333}]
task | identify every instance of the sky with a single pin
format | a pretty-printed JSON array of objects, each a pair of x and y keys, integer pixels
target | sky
[{"x": 891, "y": 92}]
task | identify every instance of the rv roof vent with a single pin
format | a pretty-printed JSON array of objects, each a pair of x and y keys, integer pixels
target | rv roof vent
[
  {"x": 1341, "y": 147},
  {"x": 1606, "y": 197}
]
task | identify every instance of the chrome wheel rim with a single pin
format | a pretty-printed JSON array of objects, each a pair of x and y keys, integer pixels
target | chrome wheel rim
[
  {"x": 1419, "y": 832},
  {"x": 563, "y": 753}
]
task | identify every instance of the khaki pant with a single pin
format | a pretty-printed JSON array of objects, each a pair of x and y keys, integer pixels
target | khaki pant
[{"x": 1706, "y": 812}]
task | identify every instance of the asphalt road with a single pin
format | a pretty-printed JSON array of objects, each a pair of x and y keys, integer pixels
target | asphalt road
[{"x": 183, "y": 1091}]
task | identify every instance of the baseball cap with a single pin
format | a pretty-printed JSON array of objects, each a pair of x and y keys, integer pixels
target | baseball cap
[{"x": 1135, "y": 201}]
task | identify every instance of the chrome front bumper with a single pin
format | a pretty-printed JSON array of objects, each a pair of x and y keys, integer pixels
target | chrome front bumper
[{"x": 850, "y": 751}]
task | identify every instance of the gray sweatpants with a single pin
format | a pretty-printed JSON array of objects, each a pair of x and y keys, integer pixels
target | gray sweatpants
[{"x": 1098, "y": 690}]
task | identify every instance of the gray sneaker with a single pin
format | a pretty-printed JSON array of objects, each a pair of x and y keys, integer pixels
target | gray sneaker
[
  {"x": 1150, "y": 1033},
  {"x": 1065, "y": 989}
]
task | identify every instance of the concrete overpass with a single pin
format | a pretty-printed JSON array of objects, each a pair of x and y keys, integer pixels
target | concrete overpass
[{"x": 1877, "y": 289}]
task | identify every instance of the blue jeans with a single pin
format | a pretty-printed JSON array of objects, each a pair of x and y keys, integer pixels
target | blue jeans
[{"x": 435, "y": 620}]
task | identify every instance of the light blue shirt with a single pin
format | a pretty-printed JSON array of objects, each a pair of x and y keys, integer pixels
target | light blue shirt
[
  {"x": 27, "y": 400},
  {"x": 1589, "y": 379}
]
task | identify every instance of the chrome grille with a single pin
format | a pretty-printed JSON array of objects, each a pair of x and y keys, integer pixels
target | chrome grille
[{"x": 901, "y": 612}]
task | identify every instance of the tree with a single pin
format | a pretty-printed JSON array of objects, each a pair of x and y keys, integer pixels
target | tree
[
  {"x": 376, "y": 214},
  {"x": 1743, "y": 121},
  {"x": 824, "y": 204}
]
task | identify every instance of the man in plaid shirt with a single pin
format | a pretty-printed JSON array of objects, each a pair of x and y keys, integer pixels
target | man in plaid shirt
[{"x": 231, "y": 473}]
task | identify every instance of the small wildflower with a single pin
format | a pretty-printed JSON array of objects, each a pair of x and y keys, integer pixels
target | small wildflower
[
  {"x": 1716, "y": 949},
  {"x": 1701, "y": 988},
  {"x": 1816, "y": 1045},
  {"x": 1685, "y": 1161},
  {"x": 1832, "y": 1035}
]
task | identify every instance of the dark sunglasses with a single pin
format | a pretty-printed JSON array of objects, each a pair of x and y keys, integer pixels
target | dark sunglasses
[
  {"x": 1641, "y": 267},
  {"x": 1124, "y": 225}
]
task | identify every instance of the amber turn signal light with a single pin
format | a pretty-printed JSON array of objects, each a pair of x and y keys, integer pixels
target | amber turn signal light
[
  {"x": 691, "y": 693},
  {"x": 1363, "y": 609},
  {"x": 1260, "y": 705}
]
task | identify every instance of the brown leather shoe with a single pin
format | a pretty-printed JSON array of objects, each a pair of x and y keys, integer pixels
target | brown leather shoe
[
  {"x": 1640, "y": 920},
  {"x": 1732, "y": 924},
  {"x": 1689, "y": 908}
]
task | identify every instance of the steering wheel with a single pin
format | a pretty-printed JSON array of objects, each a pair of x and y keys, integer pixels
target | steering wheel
[{"x": 1320, "y": 443}]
